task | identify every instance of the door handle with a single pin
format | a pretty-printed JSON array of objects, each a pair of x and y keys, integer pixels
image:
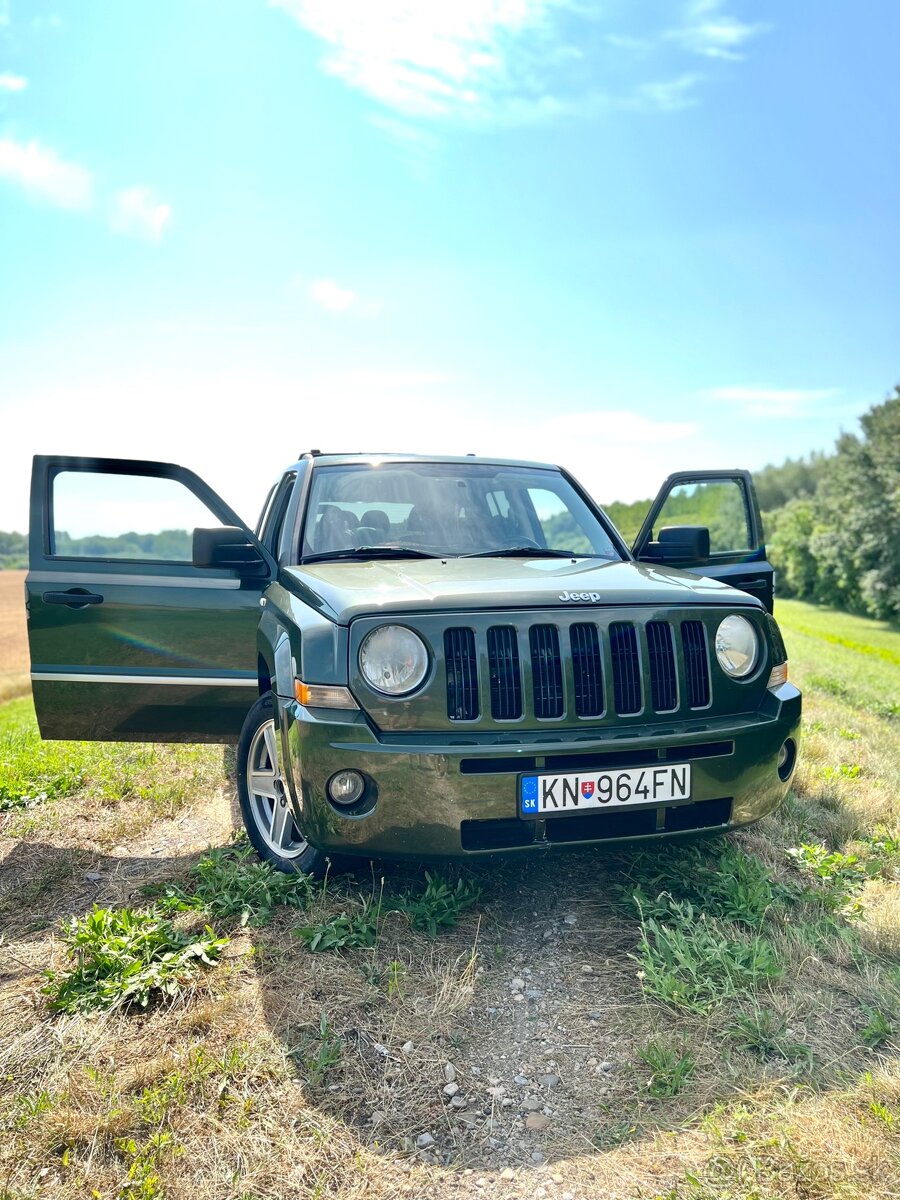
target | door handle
[
  {"x": 751, "y": 585},
  {"x": 75, "y": 598}
]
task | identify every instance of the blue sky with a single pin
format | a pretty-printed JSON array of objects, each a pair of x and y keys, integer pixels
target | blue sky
[{"x": 628, "y": 237}]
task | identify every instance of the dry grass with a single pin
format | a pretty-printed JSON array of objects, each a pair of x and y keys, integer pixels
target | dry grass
[
  {"x": 288, "y": 1073},
  {"x": 14, "y": 661}
]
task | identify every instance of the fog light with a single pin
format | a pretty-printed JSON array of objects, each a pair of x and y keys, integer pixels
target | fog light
[
  {"x": 787, "y": 757},
  {"x": 346, "y": 787}
]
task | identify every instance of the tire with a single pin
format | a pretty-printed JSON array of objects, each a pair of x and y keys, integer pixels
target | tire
[{"x": 263, "y": 796}]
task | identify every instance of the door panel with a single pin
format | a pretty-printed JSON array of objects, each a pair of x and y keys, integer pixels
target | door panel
[
  {"x": 725, "y": 503},
  {"x": 149, "y": 647}
]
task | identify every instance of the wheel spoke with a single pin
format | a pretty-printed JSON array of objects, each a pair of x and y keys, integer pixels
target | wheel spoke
[
  {"x": 262, "y": 783},
  {"x": 271, "y": 745},
  {"x": 282, "y": 826}
]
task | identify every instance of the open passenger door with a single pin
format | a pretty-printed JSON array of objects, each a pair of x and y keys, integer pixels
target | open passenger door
[
  {"x": 141, "y": 626},
  {"x": 722, "y": 503}
]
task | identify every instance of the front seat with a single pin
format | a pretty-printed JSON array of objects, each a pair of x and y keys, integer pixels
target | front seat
[{"x": 376, "y": 522}]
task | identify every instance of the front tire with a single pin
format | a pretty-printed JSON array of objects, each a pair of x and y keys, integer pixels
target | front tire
[{"x": 264, "y": 798}]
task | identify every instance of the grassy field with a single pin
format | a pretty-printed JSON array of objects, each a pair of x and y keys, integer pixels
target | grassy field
[
  {"x": 13, "y": 644},
  {"x": 711, "y": 1023}
]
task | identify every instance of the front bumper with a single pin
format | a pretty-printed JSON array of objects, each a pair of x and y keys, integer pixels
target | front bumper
[{"x": 443, "y": 795}]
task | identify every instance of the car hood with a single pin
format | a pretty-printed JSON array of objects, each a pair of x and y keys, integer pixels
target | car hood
[{"x": 344, "y": 590}]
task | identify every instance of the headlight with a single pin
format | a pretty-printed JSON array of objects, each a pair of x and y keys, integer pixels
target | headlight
[
  {"x": 393, "y": 660},
  {"x": 737, "y": 647}
]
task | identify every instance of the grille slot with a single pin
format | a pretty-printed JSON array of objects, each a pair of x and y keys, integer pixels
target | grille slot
[
  {"x": 505, "y": 673},
  {"x": 626, "y": 668},
  {"x": 462, "y": 675},
  {"x": 546, "y": 671},
  {"x": 663, "y": 683},
  {"x": 696, "y": 663},
  {"x": 587, "y": 669}
]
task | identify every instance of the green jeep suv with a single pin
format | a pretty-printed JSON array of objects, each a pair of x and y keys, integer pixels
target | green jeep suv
[{"x": 421, "y": 656}]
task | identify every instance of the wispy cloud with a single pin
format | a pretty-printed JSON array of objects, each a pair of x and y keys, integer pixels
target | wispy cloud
[
  {"x": 139, "y": 212},
  {"x": 515, "y": 62},
  {"x": 12, "y": 83},
  {"x": 331, "y": 296},
  {"x": 714, "y": 33},
  {"x": 41, "y": 173},
  {"x": 774, "y": 402}
]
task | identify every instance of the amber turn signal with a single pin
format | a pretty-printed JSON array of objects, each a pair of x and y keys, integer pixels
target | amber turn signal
[{"x": 323, "y": 695}]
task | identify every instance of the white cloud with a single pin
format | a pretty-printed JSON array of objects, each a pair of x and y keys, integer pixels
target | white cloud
[
  {"x": 774, "y": 402},
  {"x": 12, "y": 83},
  {"x": 139, "y": 212},
  {"x": 331, "y": 296},
  {"x": 713, "y": 33},
  {"x": 41, "y": 173},
  {"x": 514, "y": 62}
]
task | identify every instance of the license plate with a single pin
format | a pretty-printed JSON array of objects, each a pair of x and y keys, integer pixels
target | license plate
[{"x": 555, "y": 795}]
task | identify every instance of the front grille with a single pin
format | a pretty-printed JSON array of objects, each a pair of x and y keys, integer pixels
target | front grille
[
  {"x": 696, "y": 663},
  {"x": 462, "y": 674},
  {"x": 546, "y": 671},
  {"x": 587, "y": 669},
  {"x": 663, "y": 684},
  {"x": 626, "y": 667},
  {"x": 505, "y": 672},
  {"x": 577, "y": 670}
]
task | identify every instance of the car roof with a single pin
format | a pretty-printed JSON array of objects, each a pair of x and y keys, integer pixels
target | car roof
[{"x": 348, "y": 458}]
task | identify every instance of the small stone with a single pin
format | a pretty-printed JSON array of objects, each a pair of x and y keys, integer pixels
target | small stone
[
  {"x": 568, "y": 1196},
  {"x": 592, "y": 1062},
  {"x": 517, "y": 984},
  {"x": 407, "y": 1048},
  {"x": 458, "y": 1102},
  {"x": 536, "y": 1121},
  {"x": 531, "y": 1104},
  {"x": 493, "y": 1079},
  {"x": 521, "y": 1080},
  {"x": 496, "y": 1092},
  {"x": 549, "y": 1081},
  {"x": 518, "y": 997},
  {"x": 449, "y": 1072},
  {"x": 507, "y": 1102},
  {"x": 507, "y": 1173},
  {"x": 480, "y": 1183},
  {"x": 606, "y": 1066},
  {"x": 595, "y": 1016},
  {"x": 450, "y": 1089},
  {"x": 570, "y": 919},
  {"x": 537, "y": 1157},
  {"x": 93, "y": 876},
  {"x": 424, "y": 1140},
  {"x": 587, "y": 969},
  {"x": 533, "y": 994},
  {"x": 377, "y": 1117}
]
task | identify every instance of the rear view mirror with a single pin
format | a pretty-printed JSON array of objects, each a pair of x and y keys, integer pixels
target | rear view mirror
[
  {"x": 226, "y": 546},
  {"x": 680, "y": 544}
]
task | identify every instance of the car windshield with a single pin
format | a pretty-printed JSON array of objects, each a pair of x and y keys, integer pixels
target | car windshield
[{"x": 425, "y": 509}]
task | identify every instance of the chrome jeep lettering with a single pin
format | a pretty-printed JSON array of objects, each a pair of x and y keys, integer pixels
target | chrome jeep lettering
[{"x": 580, "y": 597}]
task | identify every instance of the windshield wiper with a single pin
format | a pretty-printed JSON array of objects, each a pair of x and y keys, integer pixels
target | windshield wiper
[
  {"x": 367, "y": 552},
  {"x": 524, "y": 552}
]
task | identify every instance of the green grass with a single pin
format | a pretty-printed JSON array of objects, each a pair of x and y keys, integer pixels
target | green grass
[
  {"x": 232, "y": 881},
  {"x": 440, "y": 904},
  {"x": 123, "y": 957},
  {"x": 33, "y": 771}
]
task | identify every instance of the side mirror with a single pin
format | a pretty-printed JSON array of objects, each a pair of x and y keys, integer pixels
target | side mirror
[
  {"x": 226, "y": 546},
  {"x": 680, "y": 544}
]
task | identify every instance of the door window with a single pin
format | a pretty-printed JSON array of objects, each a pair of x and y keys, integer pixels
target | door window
[
  {"x": 137, "y": 517},
  {"x": 719, "y": 504}
]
